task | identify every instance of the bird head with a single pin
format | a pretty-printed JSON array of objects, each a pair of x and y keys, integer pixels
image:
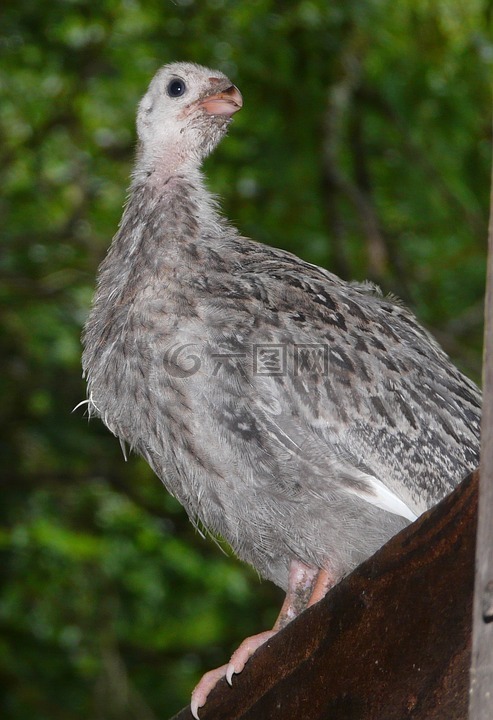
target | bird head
[{"x": 183, "y": 116}]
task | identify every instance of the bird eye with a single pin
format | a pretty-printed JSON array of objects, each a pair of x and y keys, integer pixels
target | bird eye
[{"x": 176, "y": 88}]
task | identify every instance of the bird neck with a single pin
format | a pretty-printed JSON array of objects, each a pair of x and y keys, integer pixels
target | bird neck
[
  {"x": 181, "y": 197},
  {"x": 157, "y": 162},
  {"x": 159, "y": 228},
  {"x": 164, "y": 215}
]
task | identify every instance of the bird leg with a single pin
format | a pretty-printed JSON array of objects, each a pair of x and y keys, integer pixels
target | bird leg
[
  {"x": 324, "y": 581},
  {"x": 306, "y": 586}
]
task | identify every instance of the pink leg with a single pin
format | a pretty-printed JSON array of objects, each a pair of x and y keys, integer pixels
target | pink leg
[
  {"x": 323, "y": 583},
  {"x": 303, "y": 583}
]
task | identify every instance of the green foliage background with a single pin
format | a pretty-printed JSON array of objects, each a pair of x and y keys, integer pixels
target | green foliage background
[{"x": 364, "y": 145}]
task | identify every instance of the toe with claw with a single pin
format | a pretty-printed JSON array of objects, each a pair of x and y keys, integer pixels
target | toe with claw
[{"x": 306, "y": 586}]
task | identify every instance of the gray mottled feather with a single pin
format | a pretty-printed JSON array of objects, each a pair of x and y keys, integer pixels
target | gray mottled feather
[{"x": 284, "y": 465}]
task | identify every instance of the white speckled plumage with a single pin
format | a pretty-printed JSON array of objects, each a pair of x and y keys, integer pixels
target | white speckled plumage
[{"x": 322, "y": 463}]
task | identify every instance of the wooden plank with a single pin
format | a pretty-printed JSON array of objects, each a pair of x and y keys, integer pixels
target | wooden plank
[
  {"x": 481, "y": 691},
  {"x": 391, "y": 641}
]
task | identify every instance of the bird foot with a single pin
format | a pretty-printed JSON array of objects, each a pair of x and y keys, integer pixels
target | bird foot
[
  {"x": 203, "y": 688},
  {"x": 306, "y": 586},
  {"x": 236, "y": 664},
  {"x": 245, "y": 651}
]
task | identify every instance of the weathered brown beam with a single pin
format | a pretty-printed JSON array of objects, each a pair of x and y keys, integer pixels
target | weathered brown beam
[{"x": 390, "y": 642}]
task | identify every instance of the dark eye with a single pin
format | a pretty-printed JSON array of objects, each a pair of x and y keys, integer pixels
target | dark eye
[{"x": 176, "y": 88}]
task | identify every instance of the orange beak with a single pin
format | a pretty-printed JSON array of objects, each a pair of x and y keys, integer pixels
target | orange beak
[{"x": 226, "y": 102}]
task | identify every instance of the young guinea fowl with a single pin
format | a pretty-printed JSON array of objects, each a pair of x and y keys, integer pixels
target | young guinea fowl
[{"x": 304, "y": 419}]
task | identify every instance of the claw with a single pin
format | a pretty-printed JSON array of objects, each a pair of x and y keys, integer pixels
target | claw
[
  {"x": 306, "y": 584},
  {"x": 230, "y": 671},
  {"x": 194, "y": 708},
  {"x": 203, "y": 688}
]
